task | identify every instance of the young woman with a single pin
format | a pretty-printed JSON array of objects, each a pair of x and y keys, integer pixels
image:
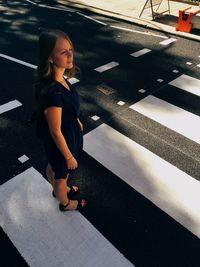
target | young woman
[{"x": 58, "y": 106}]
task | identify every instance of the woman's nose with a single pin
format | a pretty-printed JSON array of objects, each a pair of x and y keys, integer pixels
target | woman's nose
[{"x": 69, "y": 53}]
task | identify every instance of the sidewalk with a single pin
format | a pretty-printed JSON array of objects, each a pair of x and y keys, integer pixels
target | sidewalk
[{"x": 129, "y": 10}]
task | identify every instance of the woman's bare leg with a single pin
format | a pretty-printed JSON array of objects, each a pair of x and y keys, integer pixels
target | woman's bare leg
[
  {"x": 60, "y": 189},
  {"x": 50, "y": 175}
]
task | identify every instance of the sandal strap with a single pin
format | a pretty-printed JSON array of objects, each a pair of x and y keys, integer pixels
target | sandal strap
[
  {"x": 65, "y": 206},
  {"x": 79, "y": 206},
  {"x": 71, "y": 193}
]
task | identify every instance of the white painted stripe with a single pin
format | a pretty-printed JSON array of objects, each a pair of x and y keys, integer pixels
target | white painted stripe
[
  {"x": 73, "y": 80},
  {"x": 198, "y": 65},
  {"x": 107, "y": 66},
  {"x": 166, "y": 186},
  {"x": 171, "y": 116},
  {"x": 50, "y": 7},
  {"x": 23, "y": 158},
  {"x": 9, "y": 106},
  {"x": 18, "y": 61},
  {"x": 45, "y": 236},
  {"x": 31, "y": 2},
  {"x": 121, "y": 103},
  {"x": 141, "y": 52},
  {"x": 176, "y": 71},
  {"x": 160, "y": 80},
  {"x": 168, "y": 41},
  {"x": 57, "y": 8},
  {"x": 187, "y": 83},
  {"x": 91, "y": 18},
  {"x": 142, "y": 91},
  {"x": 95, "y": 118},
  {"x": 144, "y": 33}
]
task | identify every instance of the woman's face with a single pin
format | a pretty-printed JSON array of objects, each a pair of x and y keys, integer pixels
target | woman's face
[{"x": 62, "y": 56}]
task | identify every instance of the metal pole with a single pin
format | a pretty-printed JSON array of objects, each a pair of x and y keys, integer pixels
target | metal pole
[
  {"x": 152, "y": 9},
  {"x": 143, "y": 8},
  {"x": 169, "y": 7}
]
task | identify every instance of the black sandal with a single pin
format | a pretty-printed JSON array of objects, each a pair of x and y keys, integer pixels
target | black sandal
[
  {"x": 80, "y": 205},
  {"x": 71, "y": 193}
]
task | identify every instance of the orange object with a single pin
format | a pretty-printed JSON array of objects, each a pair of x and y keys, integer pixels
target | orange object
[{"x": 184, "y": 20}]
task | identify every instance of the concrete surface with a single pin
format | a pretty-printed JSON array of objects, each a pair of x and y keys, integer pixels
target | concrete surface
[{"x": 130, "y": 10}]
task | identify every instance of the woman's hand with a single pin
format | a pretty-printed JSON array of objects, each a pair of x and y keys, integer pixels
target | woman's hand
[
  {"x": 72, "y": 164},
  {"x": 80, "y": 124}
]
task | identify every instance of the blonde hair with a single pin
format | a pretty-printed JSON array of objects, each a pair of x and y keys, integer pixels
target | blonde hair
[{"x": 45, "y": 73}]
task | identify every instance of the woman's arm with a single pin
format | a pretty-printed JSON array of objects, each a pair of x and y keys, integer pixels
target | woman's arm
[
  {"x": 53, "y": 115},
  {"x": 80, "y": 123}
]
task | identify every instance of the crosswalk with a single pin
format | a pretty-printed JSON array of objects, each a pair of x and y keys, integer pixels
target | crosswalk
[
  {"x": 187, "y": 83},
  {"x": 9, "y": 106},
  {"x": 166, "y": 186},
  {"x": 45, "y": 237},
  {"x": 170, "y": 116}
]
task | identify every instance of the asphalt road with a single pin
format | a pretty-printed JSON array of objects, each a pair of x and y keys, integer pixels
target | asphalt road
[{"x": 139, "y": 228}]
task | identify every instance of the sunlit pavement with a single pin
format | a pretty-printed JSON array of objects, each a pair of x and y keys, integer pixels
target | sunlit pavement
[{"x": 140, "y": 167}]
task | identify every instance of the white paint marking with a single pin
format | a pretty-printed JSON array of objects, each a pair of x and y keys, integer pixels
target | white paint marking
[
  {"x": 141, "y": 52},
  {"x": 168, "y": 41},
  {"x": 170, "y": 116},
  {"x": 187, "y": 83},
  {"x": 91, "y": 18},
  {"x": 18, "y": 61},
  {"x": 31, "y": 2},
  {"x": 176, "y": 71},
  {"x": 23, "y": 158},
  {"x": 57, "y": 8},
  {"x": 160, "y": 80},
  {"x": 144, "y": 33},
  {"x": 43, "y": 235},
  {"x": 198, "y": 65},
  {"x": 95, "y": 118},
  {"x": 169, "y": 188},
  {"x": 142, "y": 91},
  {"x": 189, "y": 63},
  {"x": 120, "y": 103},
  {"x": 107, "y": 66},
  {"x": 49, "y": 7},
  {"x": 9, "y": 106},
  {"x": 73, "y": 80}
]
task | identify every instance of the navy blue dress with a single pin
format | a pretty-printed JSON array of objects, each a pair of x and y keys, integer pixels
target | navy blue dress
[{"x": 58, "y": 96}]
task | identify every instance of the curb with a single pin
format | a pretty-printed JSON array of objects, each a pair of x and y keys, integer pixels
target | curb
[{"x": 139, "y": 22}]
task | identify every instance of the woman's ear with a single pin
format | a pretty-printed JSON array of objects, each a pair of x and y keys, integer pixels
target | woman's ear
[{"x": 50, "y": 60}]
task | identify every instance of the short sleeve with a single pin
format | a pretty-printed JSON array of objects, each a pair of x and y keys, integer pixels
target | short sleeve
[{"x": 53, "y": 99}]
